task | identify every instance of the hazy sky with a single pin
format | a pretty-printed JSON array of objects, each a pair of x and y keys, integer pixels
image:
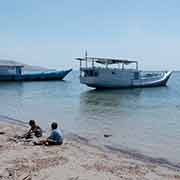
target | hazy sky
[{"x": 52, "y": 33}]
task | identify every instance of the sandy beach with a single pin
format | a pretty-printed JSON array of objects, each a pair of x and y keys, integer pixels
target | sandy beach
[{"x": 76, "y": 159}]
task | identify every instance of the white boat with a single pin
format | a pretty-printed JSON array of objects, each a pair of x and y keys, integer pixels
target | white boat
[{"x": 100, "y": 73}]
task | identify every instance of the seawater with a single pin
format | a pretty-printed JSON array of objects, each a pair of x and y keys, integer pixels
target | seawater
[{"x": 142, "y": 120}]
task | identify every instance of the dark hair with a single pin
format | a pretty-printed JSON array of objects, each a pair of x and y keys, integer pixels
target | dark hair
[
  {"x": 32, "y": 122},
  {"x": 54, "y": 125}
]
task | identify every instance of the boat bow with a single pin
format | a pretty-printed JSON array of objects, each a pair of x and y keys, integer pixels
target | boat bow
[{"x": 153, "y": 81}]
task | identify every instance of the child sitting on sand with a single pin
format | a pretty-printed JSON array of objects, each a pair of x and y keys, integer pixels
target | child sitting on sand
[
  {"x": 34, "y": 130},
  {"x": 55, "y": 138}
]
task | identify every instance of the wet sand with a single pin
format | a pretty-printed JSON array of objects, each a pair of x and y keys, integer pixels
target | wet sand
[{"x": 76, "y": 159}]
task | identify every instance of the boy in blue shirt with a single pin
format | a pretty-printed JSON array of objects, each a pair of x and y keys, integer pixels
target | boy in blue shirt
[{"x": 56, "y": 137}]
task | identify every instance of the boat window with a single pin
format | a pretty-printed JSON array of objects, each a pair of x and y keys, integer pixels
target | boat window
[
  {"x": 96, "y": 73},
  {"x": 90, "y": 73},
  {"x": 113, "y": 72},
  {"x": 136, "y": 75}
]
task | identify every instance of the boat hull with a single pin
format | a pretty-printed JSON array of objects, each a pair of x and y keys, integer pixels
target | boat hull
[
  {"x": 139, "y": 83},
  {"x": 44, "y": 76}
]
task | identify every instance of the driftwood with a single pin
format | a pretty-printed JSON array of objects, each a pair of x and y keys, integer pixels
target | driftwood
[
  {"x": 25, "y": 176},
  {"x": 107, "y": 135},
  {"x": 28, "y": 177}
]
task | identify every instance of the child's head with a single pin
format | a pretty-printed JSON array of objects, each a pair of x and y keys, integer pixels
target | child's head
[
  {"x": 54, "y": 125},
  {"x": 32, "y": 123}
]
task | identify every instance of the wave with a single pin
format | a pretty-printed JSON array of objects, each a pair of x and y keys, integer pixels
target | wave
[{"x": 4, "y": 118}]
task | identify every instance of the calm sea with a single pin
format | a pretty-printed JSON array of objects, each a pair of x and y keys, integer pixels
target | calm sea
[{"x": 142, "y": 120}]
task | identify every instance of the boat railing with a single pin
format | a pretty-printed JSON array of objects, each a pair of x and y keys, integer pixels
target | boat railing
[
  {"x": 104, "y": 68},
  {"x": 154, "y": 75}
]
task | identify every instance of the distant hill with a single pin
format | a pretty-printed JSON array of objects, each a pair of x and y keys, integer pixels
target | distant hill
[{"x": 26, "y": 66}]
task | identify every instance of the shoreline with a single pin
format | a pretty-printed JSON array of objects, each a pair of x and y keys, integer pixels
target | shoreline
[
  {"x": 126, "y": 152},
  {"x": 104, "y": 147},
  {"x": 77, "y": 154}
]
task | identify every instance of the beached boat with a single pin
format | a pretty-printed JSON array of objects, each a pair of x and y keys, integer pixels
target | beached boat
[
  {"x": 110, "y": 76},
  {"x": 14, "y": 73}
]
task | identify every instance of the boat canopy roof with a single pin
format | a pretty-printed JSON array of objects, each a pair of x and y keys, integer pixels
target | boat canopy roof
[
  {"x": 10, "y": 66},
  {"x": 107, "y": 60},
  {"x": 9, "y": 63}
]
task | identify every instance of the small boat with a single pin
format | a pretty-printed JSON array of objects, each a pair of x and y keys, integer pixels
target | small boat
[
  {"x": 112, "y": 74},
  {"x": 14, "y": 73}
]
